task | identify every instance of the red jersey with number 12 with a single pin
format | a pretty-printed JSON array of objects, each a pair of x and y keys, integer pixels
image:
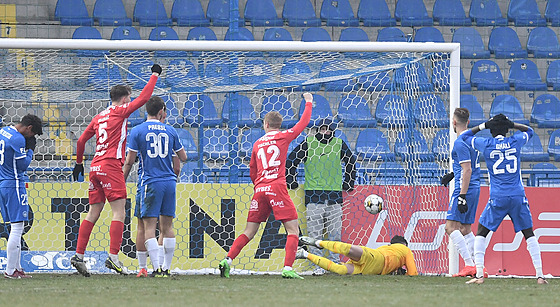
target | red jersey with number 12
[{"x": 268, "y": 159}]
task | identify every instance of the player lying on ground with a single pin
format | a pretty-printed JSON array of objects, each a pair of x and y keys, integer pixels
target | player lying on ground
[{"x": 363, "y": 260}]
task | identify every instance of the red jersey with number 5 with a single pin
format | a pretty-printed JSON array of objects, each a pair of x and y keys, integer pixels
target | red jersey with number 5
[
  {"x": 268, "y": 158},
  {"x": 110, "y": 128}
]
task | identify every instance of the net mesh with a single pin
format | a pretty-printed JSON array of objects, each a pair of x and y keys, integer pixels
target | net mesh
[{"x": 390, "y": 108}]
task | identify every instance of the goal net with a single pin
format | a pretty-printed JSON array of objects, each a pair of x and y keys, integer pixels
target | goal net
[{"x": 389, "y": 102}]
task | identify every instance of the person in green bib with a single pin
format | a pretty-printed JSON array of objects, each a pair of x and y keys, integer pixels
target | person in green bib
[{"x": 324, "y": 156}]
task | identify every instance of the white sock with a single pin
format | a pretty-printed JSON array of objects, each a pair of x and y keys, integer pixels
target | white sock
[
  {"x": 169, "y": 247},
  {"x": 14, "y": 247},
  {"x": 459, "y": 242},
  {"x": 305, "y": 253},
  {"x": 318, "y": 243},
  {"x": 288, "y": 268},
  {"x": 479, "y": 251},
  {"x": 114, "y": 258},
  {"x": 535, "y": 252},
  {"x": 142, "y": 259},
  {"x": 229, "y": 260},
  {"x": 153, "y": 251},
  {"x": 161, "y": 254},
  {"x": 469, "y": 239}
]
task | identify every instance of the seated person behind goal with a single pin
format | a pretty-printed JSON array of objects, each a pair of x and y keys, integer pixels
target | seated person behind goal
[{"x": 363, "y": 260}]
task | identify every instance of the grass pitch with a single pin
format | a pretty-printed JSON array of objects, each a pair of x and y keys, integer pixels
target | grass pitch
[{"x": 327, "y": 290}]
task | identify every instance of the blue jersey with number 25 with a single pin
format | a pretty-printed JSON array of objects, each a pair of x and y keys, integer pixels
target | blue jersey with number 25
[{"x": 502, "y": 155}]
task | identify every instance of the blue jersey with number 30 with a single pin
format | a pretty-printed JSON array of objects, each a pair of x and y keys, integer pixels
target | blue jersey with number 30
[
  {"x": 155, "y": 143},
  {"x": 502, "y": 155}
]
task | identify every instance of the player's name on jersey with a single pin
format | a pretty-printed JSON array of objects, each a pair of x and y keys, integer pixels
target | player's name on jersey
[
  {"x": 156, "y": 127},
  {"x": 502, "y": 146}
]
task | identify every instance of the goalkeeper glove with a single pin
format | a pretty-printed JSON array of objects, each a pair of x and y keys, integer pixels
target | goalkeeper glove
[
  {"x": 157, "y": 69},
  {"x": 78, "y": 169},
  {"x": 462, "y": 203},
  {"x": 447, "y": 178},
  {"x": 30, "y": 143}
]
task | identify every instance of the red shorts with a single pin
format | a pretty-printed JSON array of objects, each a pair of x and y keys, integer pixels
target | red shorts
[
  {"x": 106, "y": 181},
  {"x": 271, "y": 197}
]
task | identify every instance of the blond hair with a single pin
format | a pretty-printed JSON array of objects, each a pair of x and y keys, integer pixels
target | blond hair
[{"x": 273, "y": 119}]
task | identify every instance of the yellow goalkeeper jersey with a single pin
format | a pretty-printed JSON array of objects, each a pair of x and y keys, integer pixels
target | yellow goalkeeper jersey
[{"x": 384, "y": 260}]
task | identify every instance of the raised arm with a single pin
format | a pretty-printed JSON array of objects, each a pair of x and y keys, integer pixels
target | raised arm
[
  {"x": 146, "y": 92},
  {"x": 306, "y": 116}
]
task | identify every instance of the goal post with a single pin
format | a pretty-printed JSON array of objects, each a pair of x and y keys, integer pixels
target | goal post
[{"x": 391, "y": 103}]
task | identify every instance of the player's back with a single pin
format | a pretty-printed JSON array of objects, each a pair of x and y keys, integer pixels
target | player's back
[
  {"x": 155, "y": 143},
  {"x": 110, "y": 128},
  {"x": 269, "y": 156},
  {"x": 11, "y": 148},
  {"x": 397, "y": 255},
  {"x": 462, "y": 152}
]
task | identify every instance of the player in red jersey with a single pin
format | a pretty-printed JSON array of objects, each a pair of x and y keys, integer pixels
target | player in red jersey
[
  {"x": 268, "y": 173},
  {"x": 106, "y": 178}
]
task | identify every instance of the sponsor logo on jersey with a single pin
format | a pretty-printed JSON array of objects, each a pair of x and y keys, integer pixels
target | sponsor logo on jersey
[
  {"x": 279, "y": 204},
  {"x": 254, "y": 205},
  {"x": 265, "y": 188},
  {"x": 95, "y": 168},
  {"x": 271, "y": 174}
]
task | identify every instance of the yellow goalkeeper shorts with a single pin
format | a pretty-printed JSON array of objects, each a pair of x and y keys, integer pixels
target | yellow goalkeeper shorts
[{"x": 371, "y": 262}]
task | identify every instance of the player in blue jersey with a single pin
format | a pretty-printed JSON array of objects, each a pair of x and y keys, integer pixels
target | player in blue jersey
[
  {"x": 464, "y": 201},
  {"x": 507, "y": 194},
  {"x": 155, "y": 144},
  {"x": 17, "y": 144}
]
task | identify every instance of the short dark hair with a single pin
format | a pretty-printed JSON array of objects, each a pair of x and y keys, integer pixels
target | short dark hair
[
  {"x": 462, "y": 115},
  {"x": 154, "y": 105},
  {"x": 119, "y": 91},
  {"x": 35, "y": 122},
  {"x": 399, "y": 240}
]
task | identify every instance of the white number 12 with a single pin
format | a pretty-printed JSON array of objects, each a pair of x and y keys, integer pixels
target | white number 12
[{"x": 272, "y": 149}]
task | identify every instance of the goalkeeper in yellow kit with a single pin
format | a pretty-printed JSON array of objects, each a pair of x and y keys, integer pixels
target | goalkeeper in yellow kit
[{"x": 363, "y": 260}]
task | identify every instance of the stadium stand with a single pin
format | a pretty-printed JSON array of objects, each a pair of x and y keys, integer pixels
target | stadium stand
[
  {"x": 533, "y": 150},
  {"x": 182, "y": 76},
  {"x": 553, "y": 75},
  {"x": 191, "y": 173},
  {"x": 248, "y": 138},
  {"x": 524, "y": 76},
  {"x": 509, "y": 106},
  {"x": 428, "y": 34},
  {"x": 256, "y": 71},
  {"x": 218, "y": 13},
  {"x": 421, "y": 77},
  {"x": 391, "y": 111},
  {"x": 110, "y": 13},
  {"x": 486, "y": 75},
  {"x": 389, "y": 173},
  {"x": 174, "y": 117},
  {"x": 430, "y": 173},
  {"x": 543, "y": 43},
  {"x": 321, "y": 110},
  {"x": 139, "y": 73},
  {"x": 200, "y": 111},
  {"x": 215, "y": 144},
  {"x": 188, "y": 143},
  {"x": 189, "y": 13},
  {"x": 72, "y": 13},
  {"x": 475, "y": 109},
  {"x": 372, "y": 145},
  {"x": 300, "y": 13},
  {"x": 546, "y": 111},
  {"x": 261, "y": 13},
  {"x": 545, "y": 175},
  {"x": 554, "y": 145},
  {"x": 247, "y": 117},
  {"x": 440, "y": 145},
  {"x": 429, "y": 110},
  {"x": 87, "y": 32},
  {"x": 103, "y": 76},
  {"x": 283, "y": 106},
  {"x": 472, "y": 46},
  {"x": 450, "y": 13},
  {"x": 552, "y": 13},
  {"x": 296, "y": 72},
  {"x": 391, "y": 34},
  {"x": 336, "y": 68},
  {"x": 315, "y": 35},
  {"x": 166, "y": 33},
  {"x": 525, "y": 13},
  {"x": 151, "y": 13},
  {"x": 375, "y": 13},
  {"x": 411, "y": 145},
  {"x": 353, "y": 111},
  {"x": 338, "y": 13},
  {"x": 412, "y": 13},
  {"x": 487, "y": 13},
  {"x": 504, "y": 44}
]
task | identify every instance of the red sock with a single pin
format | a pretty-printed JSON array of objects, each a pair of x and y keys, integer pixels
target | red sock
[
  {"x": 83, "y": 236},
  {"x": 115, "y": 233},
  {"x": 238, "y": 245},
  {"x": 291, "y": 248}
]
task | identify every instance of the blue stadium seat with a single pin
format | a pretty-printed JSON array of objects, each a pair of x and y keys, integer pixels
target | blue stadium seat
[
  {"x": 321, "y": 109},
  {"x": 300, "y": 13},
  {"x": 191, "y": 173},
  {"x": 136, "y": 118},
  {"x": 283, "y": 106},
  {"x": 218, "y": 12},
  {"x": 125, "y": 33},
  {"x": 72, "y": 13},
  {"x": 215, "y": 144},
  {"x": 139, "y": 73},
  {"x": 440, "y": 145},
  {"x": 416, "y": 73},
  {"x": 338, "y": 13},
  {"x": 372, "y": 145},
  {"x": 411, "y": 145},
  {"x": 166, "y": 33},
  {"x": 341, "y": 135},
  {"x": 525, "y": 13},
  {"x": 440, "y": 77},
  {"x": 465, "y": 86},
  {"x": 377, "y": 81},
  {"x": 472, "y": 46},
  {"x": 256, "y": 71},
  {"x": 293, "y": 144},
  {"x": 428, "y": 34},
  {"x": 430, "y": 173},
  {"x": 554, "y": 145},
  {"x": 110, "y": 13},
  {"x": 487, "y": 13},
  {"x": 553, "y": 75},
  {"x": 88, "y": 33},
  {"x": 505, "y": 44},
  {"x": 243, "y": 34},
  {"x": 278, "y": 34},
  {"x": 392, "y": 111},
  {"x": 548, "y": 175},
  {"x": 509, "y": 106},
  {"x": 261, "y": 13},
  {"x": 375, "y": 13},
  {"x": 552, "y": 12},
  {"x": 486, "y": 75},
  {"x": 173, "y": 118},
  {"x": 524, "y": 76},
  {"x": 389, "y": 173},
  {"x": 151, "y": 13},
  {"x": 391, "y": 34},
  {"x": 189, "y": 13},
  {"x": 475, "y": 109},
  {"x": 103, "y": 75},
  {"x": 296, "y": 72},
  {"x": 220, "y": 73},
  {"x": 353, "y": 111},
  {"x": 353, "y": 35},
  {"x": 188, "y": 143},
  {"x": 450, "y": 13},
  {"x": 533, "y": 150},
  {"x": 248, "y": 138},
  {"x": 181, "y": 76},
  {"x": 543, "y": 43},
  {"x": 546, "y": 111},
  {"x": 412, "y": 13},
  {"x": 335, "y": 68},
  {"x": 201, "y": 34},
  {"x": 200, "y": 111},
  {"x": 246, "y": 116},
  {"x": 429, "y": 111},
  {"x": 315, "y": 35}
]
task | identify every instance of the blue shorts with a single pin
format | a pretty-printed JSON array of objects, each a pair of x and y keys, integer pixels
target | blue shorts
[
  {"x": 139, "y": 190},
  {"x": 157, "y": 198},
  {"x": 468, "y": 217},
  {"x": 14, "y": 205},
  {"x": 517, "y": 207}
]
